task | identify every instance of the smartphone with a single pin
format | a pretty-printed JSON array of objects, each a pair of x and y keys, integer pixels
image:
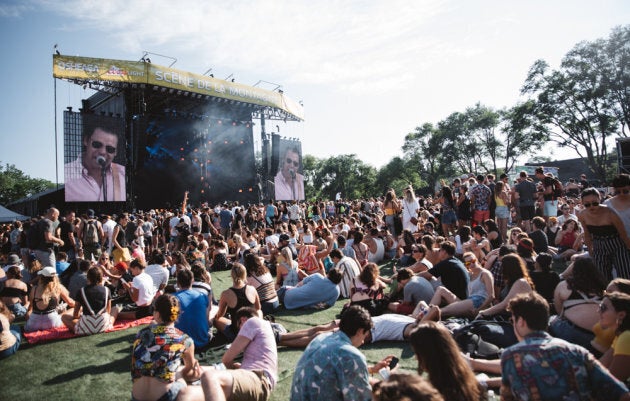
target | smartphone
[{"x": 393, "y": 363}]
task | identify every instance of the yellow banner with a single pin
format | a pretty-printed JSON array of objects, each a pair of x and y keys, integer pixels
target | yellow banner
[{"x": 98, "y": 69}]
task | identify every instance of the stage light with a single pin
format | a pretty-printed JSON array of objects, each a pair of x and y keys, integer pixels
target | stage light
[
  {"x": 240, "y": 190},
  {"x": 163, "y": 89},
  {"x": 182, "y": 149}
]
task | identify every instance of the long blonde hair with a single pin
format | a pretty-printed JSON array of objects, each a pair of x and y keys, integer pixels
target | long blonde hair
[{"x": 52, "y": 287}]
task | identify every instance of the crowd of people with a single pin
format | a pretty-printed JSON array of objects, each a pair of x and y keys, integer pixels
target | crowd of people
[{"x": 477, "y": 250}]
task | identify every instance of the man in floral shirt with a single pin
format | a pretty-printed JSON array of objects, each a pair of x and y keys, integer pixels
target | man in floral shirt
[{"x": 480, "y": 197}]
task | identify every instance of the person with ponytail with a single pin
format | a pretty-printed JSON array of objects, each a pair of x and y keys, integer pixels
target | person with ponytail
[{"x": 158, "y": 353}]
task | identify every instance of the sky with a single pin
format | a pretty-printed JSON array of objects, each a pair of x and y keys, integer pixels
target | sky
[{"x": 367, "y": 72}]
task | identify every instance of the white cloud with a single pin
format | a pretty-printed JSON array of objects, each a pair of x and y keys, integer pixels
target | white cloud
[{"x": 356, "y": 45}]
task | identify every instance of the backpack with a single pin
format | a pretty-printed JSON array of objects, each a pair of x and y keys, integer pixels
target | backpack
[
  {"x": 35, "y": 236},
  {"x": 90, "y": 233}
]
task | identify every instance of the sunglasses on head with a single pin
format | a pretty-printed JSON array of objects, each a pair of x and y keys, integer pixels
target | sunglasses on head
[
  {"x": 294, "y": 162},
  {"x": 109, "y": 149},
  {"x": 590, "y": 204}
]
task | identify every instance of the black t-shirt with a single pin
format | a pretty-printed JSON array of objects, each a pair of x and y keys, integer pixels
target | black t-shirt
[
  {"x": 65, "y": 228},
  {"x": 97, "y": 296},
  {"x": 454, "y": 276}
]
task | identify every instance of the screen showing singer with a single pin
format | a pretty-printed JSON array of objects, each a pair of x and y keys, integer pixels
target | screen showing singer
[
  {"x": 289, "y": 183},
  {"x": 94, "y": 176}
]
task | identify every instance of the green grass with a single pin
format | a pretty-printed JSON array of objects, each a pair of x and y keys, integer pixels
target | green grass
[{"x": 98, "y": 367}]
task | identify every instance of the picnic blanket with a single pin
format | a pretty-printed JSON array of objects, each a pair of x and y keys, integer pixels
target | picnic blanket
[{"x": 60, "y": 333}]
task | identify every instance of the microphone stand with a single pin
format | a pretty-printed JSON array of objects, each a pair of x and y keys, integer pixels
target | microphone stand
[
  {"x": 293, "y": 185},
  {"x": 104, "y": 178}
]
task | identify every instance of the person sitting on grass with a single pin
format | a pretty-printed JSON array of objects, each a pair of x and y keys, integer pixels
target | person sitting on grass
[
  {"x": 157, "y": 356},
  {"x": 141, "y": 291},
  {"x": 257, "y": 374},
  {"x": 480, "y": 288},
  {"x": 233, "y": 299},
  {"x": 315, "y": 291},
  {"x": 92, "y": 309},
  {"x": 44, "y": 300},
  {"x": 10, "y": 337},
  {"x": 195, "y": 307}
]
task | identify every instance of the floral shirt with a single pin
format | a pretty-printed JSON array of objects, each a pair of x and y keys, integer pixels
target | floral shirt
[
  {"x": 542, "y": 367},
  {"x": 157, "y": 352},
  {"x": 331, "y": 369},
  {"x": 481, "y": 193}
]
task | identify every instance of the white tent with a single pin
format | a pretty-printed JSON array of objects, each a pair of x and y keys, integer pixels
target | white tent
[{"x": 7, "y": 215}]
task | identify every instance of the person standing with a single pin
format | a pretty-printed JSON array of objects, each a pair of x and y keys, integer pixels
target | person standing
[
  {"x": 46, "y": 238},
  {"x": 67, "y": 235},
  {"x": 410, "y": 208},
  {"x": 332, "y": 368},
  {"x": 562, "y": 369},
  {"x": 480, "y": 198},
  {"x": 91, "y": 233},
  {"x": 525, "y": 192}
]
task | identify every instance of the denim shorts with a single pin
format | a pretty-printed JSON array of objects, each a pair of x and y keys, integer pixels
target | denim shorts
[
  {"x": 502, "y": 212},
  {"x": 449, "y": 217},
  {"x": 477, "y": 300}
]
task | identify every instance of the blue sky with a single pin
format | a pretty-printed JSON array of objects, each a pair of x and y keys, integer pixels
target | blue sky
[{"x": 368, "y": 72}]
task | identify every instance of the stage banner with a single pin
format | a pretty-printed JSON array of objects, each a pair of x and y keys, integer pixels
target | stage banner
[{"x": 96, "y": 69}]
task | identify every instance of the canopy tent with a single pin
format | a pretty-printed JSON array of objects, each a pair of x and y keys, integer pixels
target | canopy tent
[{"x": 7, "y": 215}]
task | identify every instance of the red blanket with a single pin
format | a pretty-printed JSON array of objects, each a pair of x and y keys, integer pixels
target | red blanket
[{"x": 60, "y": 333}]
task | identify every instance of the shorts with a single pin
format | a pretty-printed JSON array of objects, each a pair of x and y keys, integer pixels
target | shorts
[
  {"x": 477, "y": 300},
  {"x": 479, "y": 216},
  {"x": 527, "y": 212},
  {"x": 551, "y": 208},
  {"x": 449, "y": 217},
  {"x": 405, "y": 309},
  {"x": 502, "y": 212},
  {"x": 249, "y": 385},
  {"x": 171, "y": 394}
]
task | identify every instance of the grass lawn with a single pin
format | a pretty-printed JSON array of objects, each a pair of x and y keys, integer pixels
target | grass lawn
[{"x": 97, "y": 367}]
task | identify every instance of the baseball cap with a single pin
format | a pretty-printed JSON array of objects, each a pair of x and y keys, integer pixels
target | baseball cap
[
  {"x": 47, "y": 271},
  {"x": 90, "y": 212}
]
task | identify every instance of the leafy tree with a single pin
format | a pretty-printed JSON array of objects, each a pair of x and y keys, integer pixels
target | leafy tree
[
  {"x": 483, "y": 122},
  {"x": 345, "y": 174},
  {"x": 398, "y": 174},
  {"x": 427, "y": 149},
  {"x": 14, "y": 184},
  {"x": 584, "y": 103},
  {"x": 522, "y": 135}
]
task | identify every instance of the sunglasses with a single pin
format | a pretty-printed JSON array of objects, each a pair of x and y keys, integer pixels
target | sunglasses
[
  {"x": 469, "y": 262},
  {"x": 603, "y": 308},
  {"x": 590, "y": 204},
  {"x": 294, "y": 162},
  {"x": 415, "y": 250},
  {"x": 622, "y": 191},
  {"x": 109, "y": 149}
]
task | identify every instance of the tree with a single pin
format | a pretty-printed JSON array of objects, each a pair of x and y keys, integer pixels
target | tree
[
  {"x": 345, "y": 174},
  {"x": 522, "y": 134},
  {"x": 427, "y": 149},
  {"x": 584, "y": 103},
  {"x": 14, "y": 184},
  {"x": 398, "y": 174},
  {"x": 482, "y": 122}
]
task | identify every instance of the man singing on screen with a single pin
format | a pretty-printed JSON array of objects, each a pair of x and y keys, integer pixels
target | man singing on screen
[
  {"x": 289, "y": 183},
  {"x": 93, "y": 176}
]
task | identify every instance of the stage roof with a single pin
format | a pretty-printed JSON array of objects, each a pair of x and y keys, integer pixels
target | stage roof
[{"x": 109, "y": 75}]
